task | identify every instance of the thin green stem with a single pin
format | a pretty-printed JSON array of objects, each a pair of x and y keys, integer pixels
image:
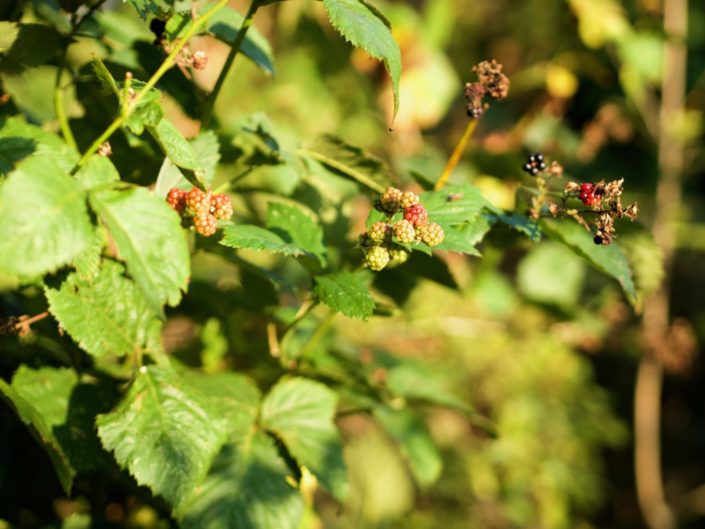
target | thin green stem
[
  {"x": 226, "y": 185},
  {"x": 456, "y": 155},
  {"x": 151, "y": 83},
  {"x": 315, "y": 338},
  {"x": 234, "y": 50}
]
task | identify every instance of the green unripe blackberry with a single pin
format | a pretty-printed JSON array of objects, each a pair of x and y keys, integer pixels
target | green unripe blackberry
[
  {"x": 390, "y": 201},
  {"x": 376, "y": 258},
  {"x": 409, "y": 199},
  {"x": 380, "y": 233},
  {"x": 404, "y": 231},
  {"x": 398, "y": 256},
  {"x": 432, "y": 234}
]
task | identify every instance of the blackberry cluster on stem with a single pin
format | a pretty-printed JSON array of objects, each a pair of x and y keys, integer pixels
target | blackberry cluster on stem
[
  {"x": 602, "y": 199},
  {"x": 202, "y": 208},
  {"x": 382, "y": 242}
]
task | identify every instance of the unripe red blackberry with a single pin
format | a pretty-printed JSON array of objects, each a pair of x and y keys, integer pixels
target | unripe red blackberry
[
  {"x": 409, "y": 199},
  {"x": 404, "y": 231},
  {"x": 587, "y": 194},
  {"x": 416, "y": 214},
  {"x": 398, "y": 256},
  {"x": 221, "y": 207},
  {"x": 198, "y": 201},
  {"x": 376, "y": 258},
  {"x": 432, "y": 234},
  {"x": 176, "y": 198},
  {"x": 380, "y": 233},
  {"x": 205, "y": 224},
  {"x": 390, "y": 201}
]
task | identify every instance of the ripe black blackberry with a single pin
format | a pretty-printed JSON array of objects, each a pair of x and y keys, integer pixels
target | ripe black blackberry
[{"x": 534, "y": 164}]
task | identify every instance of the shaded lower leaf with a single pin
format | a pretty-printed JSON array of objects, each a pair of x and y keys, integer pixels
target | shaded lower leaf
[
  {"x": 106, "y": 315},
  {"x": 165, "y": 433},
  {"x": 346, "y": 293},
  {"x": 301, "y": 413},
  {"x": 247, "y": 488},
  {"x": 607, "y": 259},
  {"x": 302, "y": 229},
  {"x": 19, "y": 139},
  {"x": 522, "y": 224},
  {"x": 645, "y": 258}
]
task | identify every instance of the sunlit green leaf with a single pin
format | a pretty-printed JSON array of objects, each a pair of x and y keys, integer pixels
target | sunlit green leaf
[{"x": 344, "y": 292}]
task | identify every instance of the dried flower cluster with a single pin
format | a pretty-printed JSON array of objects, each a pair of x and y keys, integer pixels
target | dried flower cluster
[
  {"x": 602, "y": 199},
  {"x": 491, "y": 81}
]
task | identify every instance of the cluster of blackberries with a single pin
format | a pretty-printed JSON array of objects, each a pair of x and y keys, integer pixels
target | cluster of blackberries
[
  {"x": 202, "y": 207},
  {"x": 491, "y": 81},
  {"x": 535, "y": 164},
  {"x": 588, "y": 194},
  {"x": 381, "y": 243}
]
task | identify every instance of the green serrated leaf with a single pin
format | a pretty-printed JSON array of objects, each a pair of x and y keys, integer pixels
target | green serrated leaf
[
  {"x": 645, "y": 258},
  {"x": 301, "y": 413},
  {"x": 207, "y": 150},
  {"x": 410, "y": 431},
  {"x": 298, "y": 227},
  {"x": 464, "y": 237},
  {"x": 364, "y": 29},
  {"x": 44, "y": 221},
  {"x": 165, "y": 433},
  {"x": 235, "y": 396},
  {"x": 174, "y": 145},
  {"x": 453, "y": 205},
  {"x": 98, "y": 171},
  {"x": 19, "y": 139},
  {"x": 106, "y": 315},
  {"x": 247, "y": 488},
  {"x": 258, "y": 238},
  {"x": 609, "y": 260},
  {"x": 148, "y": 112},
  {"x": 149, "y": 237},
  {"x": 350, "y": 161},
  {"x": 87, "y": 263},
  {"x": 344, "y": 292},
  {"x": 522, "y": 224},
  {"x": 60, "y": 412}
]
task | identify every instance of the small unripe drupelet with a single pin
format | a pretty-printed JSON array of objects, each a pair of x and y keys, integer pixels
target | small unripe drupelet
[
  {"x": 380, "y": 233},
  {"x": 390, "y": 201},
  {"x": 205, "y": 224},
  {"x": 416, "y": 214},
  {"x": 398, "y": 256},
  {"x": 432, "y": 234},
  {"x": 587, "y": 194},
  {"x": 404, "y": 231},
  {"x": 198, "y": 201},
  {"x": 176, "y": 198},
  {"x": 409, "y": 199},
  {"x": 221, "y": 207},
  {"x": 376, "y": 258}
]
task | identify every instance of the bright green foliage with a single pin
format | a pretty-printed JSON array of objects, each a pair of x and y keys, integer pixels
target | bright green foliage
[
  {"x": 345, "y": 292},
  {"x": 43, "y": 218},
  {"x": 608, "y": 259},
  {"x": 247, "y": 488},
  {"x": 106, "y": 315},
  {"x": 293, "y": 223},
  {"x": 149, "y": 238},
  {"x": 19, "y": 140},
  {"x": 206, "y": 150},
  {"x": 60, "y": 412},
  {"x": 174, "y": 145},
  {"x": 165, "y": 432},
  {"x": 148, "y": 112},
  {"x": 453, "y": 205},
  {"x": 350, "y": 161},
  {"x": 409, "y": 430},
  {"x": 98, "y": 171},
  {"x": 363, "y": 28},
  {"x": 257, "y": 238},
  {"x": 300, "y": 412}
]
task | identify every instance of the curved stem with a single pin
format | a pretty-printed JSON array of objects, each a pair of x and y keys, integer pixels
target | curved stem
[
  {"x": 151, "y": 83},
  {"x": 456, "y": 155},
  {"x": 234, "y": 50}
]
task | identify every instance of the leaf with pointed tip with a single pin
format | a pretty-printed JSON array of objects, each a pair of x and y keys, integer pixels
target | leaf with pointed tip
[
  {"x": 258, "y": 238},
  {"x": 165, "y": 433},
  {"x": 301, "y": 413},
  {"x": 44, "y": 221},
  {"x": 149, "y": 237},
  {"x": 247, "y": 488},
  {"x": 609, "y": 259},
  {"x": 350, "y": 161},
  {"x": 174, "y": 145},
  {"x": 106, "y": 315},
  {"x": 98, "y": 171},
  {"x": 344, "y": 292},
  {"x": 207, "y": 151},
  {"x": 363, "y": 28},
  {"x": 19, "y": 139}
]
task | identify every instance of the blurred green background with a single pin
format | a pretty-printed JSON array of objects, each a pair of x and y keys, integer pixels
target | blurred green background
[{"x": 532, "y": 337}]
